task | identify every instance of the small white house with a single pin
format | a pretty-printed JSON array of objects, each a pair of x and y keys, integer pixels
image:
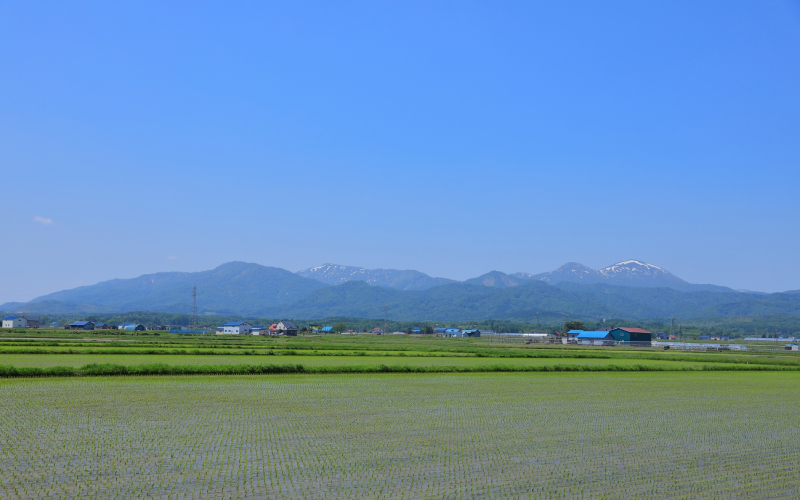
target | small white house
[
  {"x": 235, "y": 328},
  {"x": 15, "y": 322}
]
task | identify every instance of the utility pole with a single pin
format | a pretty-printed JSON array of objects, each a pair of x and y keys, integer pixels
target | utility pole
[
  {"x": 194, "y": 306},
  {"x": 385, "y": 318},
  {"x": 537, "y": 321},
  {"x": 672, "y": 327}
]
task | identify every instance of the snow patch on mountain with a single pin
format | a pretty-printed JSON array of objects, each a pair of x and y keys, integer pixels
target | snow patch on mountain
[{"x": 334, "y": 274}]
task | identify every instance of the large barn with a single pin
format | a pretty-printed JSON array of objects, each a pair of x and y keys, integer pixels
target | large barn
[{"x": 631, "y": 335}]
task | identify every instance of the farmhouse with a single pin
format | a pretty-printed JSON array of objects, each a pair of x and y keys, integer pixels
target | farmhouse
[
  {"x": 631, "y": 335},
  {"x": 236, "y": 328},
  {"x": 286, "y": 327},
  {"x": 81, "y": 325},
  {"x": 15, "y": 322},
  {"x": 471, "y": 333},
  {"x": 259, "y": 330}
]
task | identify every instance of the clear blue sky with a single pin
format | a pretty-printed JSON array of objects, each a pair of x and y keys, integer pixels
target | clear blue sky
[{"x": 450, "y": 137}]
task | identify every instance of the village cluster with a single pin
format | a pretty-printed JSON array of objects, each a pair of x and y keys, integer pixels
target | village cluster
[{"x": 34, "y": 322}]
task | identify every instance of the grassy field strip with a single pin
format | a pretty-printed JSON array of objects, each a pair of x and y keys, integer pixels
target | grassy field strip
[
  {"x": 77, "y": 360},
  {"x": 467, "y": 436}
]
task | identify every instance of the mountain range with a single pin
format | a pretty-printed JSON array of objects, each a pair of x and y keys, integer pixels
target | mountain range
[{"x": 629, "y": 289}]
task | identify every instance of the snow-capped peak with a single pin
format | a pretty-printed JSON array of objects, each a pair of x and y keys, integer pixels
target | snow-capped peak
[
  {"x": 637, "y": 262},
  {"x": 632, "y": 267}
]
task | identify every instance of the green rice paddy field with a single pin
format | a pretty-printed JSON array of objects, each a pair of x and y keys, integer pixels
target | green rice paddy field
[
  {"x": 338, "y": 432},
  {"x": 485, "y": 435}
]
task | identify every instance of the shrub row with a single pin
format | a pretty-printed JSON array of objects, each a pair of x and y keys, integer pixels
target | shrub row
[{"x": 96, "y": 370}]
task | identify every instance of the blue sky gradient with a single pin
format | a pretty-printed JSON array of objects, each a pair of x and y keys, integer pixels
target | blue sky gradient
[{"x": 453, "y": 138}]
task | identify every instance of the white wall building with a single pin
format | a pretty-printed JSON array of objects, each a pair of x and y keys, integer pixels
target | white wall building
[
  {"x": 235, "y": 328},
  {"x": 15, "y": 322}
]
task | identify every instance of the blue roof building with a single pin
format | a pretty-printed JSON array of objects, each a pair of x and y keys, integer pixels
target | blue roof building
[
  {"x": 259, "y": 330},
  {"x": 573, "y": 333},
  {"x": 594, "y": 336},
  {"x": 16, "y": 322}
]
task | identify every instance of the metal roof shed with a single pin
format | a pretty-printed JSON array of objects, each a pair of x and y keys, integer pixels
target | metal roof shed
[
  {"x": 81, "y": 325},
  {"x": 595, "y": 338}
]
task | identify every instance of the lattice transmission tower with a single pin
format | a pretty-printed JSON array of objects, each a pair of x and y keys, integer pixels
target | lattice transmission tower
[{"x": 194, "y": 307}]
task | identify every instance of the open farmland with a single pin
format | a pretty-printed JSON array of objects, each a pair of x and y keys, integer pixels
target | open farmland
[{"x": 556, "y": 435}]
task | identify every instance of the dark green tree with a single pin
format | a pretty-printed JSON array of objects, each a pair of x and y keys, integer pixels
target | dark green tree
[{"x": 573, "y": 325}]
